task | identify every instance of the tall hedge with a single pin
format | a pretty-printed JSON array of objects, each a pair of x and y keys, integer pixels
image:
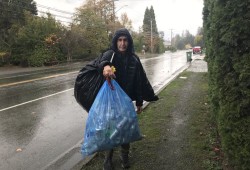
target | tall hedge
[{"x": 227, "y": 39}]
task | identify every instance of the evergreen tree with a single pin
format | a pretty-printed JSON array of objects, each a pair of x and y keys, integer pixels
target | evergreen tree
[
  {"x": 146, "y": 21},
  {"x": 152, "y": 15},
  {"x": 149, "y": 20},
  {"x": 12, "y": 11},
  {"x": 227, "y": 39},
  {"x": 152, "y": 41},
  {"x": 12, "y": 17}
]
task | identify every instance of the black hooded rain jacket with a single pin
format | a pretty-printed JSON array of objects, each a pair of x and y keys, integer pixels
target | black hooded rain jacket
[{"x": 130, "y": 74}]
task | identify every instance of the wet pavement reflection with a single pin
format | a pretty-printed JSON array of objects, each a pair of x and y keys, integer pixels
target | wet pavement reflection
[{"x": 164, "y": 66}]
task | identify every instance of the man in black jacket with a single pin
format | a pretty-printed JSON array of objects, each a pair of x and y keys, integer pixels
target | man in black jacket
[{"x": 130, "y": 76}]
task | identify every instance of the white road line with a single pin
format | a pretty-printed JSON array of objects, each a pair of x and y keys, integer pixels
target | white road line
[
  {"x": 7, "y": 108},
  {"x": 36, "y": 79}
]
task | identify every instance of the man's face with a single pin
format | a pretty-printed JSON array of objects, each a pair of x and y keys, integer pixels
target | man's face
[{"x": 122, "y": 43}]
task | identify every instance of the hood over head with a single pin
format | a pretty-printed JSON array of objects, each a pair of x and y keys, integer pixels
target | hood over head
[{"x": 123, "y": 32}]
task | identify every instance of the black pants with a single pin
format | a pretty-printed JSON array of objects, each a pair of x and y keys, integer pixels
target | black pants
[{"x": 124, "y": 150}]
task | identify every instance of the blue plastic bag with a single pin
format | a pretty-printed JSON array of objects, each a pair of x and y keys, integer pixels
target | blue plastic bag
[{"x": 112, "y": 120}]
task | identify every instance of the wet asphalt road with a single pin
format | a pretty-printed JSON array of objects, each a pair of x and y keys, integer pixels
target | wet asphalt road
[{"x": 40, "y": 119}]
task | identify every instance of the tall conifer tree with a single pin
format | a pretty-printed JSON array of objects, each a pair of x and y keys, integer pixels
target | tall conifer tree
[
  {"x": 154, "y": 26},
  {"x": 150, "y": 31},
  {"x": 146, "y": 21}
]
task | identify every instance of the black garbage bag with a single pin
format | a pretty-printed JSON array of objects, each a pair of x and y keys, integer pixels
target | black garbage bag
[{"x": 88, "y": 82}]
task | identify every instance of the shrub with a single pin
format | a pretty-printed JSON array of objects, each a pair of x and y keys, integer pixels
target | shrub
[{"x": 226, "y": 28}]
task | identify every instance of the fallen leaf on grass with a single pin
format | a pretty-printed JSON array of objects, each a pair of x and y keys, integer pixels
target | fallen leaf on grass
[
  {"x": 19, "y": 150},
  {"x": 183, "y": 77},
  {"x": 216, "y": 149}
]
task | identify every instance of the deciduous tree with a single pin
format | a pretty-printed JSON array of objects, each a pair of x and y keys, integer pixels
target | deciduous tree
[{"x": 12, "y": 17}]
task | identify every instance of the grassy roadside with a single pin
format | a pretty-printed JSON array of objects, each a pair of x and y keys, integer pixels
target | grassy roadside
[{"x": 179, "y": 130}]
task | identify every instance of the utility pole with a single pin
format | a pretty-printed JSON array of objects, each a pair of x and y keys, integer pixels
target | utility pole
[
  {"x": 113, "y": 11},
  {"x": 151, "y": 37},
  {"x": 171, "y": 36},
  {"x": 113, "y": 1}
]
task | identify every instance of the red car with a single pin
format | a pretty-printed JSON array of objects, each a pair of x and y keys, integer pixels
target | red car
[{"x": 197, "y": 50}]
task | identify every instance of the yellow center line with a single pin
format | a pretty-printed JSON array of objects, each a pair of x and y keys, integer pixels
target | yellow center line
[{"x": 42, "y": 78}]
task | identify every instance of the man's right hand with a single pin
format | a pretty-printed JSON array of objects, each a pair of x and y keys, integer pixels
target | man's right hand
[{"x": 108, "y": 72}]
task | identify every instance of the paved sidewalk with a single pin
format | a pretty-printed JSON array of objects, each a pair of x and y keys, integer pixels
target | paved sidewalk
[{"x": 198, "y": 66}]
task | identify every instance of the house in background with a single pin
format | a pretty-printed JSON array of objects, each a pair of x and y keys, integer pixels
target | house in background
[{"x": 167, "y": 43}]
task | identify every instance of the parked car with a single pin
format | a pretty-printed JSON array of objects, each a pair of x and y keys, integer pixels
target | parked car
[{"x": 197, "y": 50}]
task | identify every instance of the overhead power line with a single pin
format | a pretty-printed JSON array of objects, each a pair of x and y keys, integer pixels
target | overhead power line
[
  {"x": 18, "y": 16},
  {"x": 54, "y": 9},
  {"x": 55, "y": 15},
  {"x": 38, "y": 5},
  {"x": 20, "y": 5}
]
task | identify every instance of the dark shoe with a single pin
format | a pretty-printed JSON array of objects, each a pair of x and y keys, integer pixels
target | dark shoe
[{"x": 125, "y": 160}]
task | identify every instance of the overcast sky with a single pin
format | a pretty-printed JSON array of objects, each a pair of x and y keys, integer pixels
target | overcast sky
[{"x": 178, "y": 15}]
